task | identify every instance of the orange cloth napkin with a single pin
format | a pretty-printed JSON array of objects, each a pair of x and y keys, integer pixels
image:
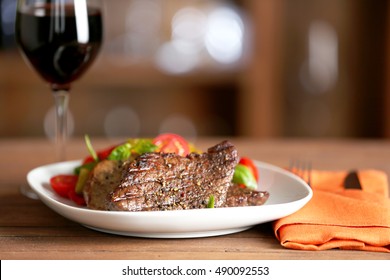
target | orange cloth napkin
[{"x": 340, "y": 218}]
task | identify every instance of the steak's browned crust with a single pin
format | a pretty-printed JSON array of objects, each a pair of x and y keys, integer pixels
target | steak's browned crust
[
  {"x": 238, "y": 196},
  {"x": 103, "y": 179},
  {"x": 158, "y": 181}
]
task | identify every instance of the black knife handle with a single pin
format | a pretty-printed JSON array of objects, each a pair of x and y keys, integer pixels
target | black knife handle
[{"x": 351, "y": 181}]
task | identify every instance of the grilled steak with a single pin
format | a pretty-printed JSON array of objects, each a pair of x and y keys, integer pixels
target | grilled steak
[
  {"x": 104, "y": 179},
  {"x": 238, "y": 196},
  {"x": 158, "y": 181}
]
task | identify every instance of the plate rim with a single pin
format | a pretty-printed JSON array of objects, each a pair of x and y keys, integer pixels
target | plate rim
[{"x": 52, "y": 202}]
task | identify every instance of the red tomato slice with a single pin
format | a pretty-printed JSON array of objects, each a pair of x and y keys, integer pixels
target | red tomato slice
[
  {"x": 88, "y": 160},
  {"x": 172, "y": 143},
  {"x": 62, "y": 184},
  {"x": 103, "y": 154},
  {"x": 78, "y": 199},
  {"x": 252, "y": 167}
]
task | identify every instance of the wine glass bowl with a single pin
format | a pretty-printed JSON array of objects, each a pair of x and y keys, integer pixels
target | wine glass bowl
[{"x": 60, "y": 39}]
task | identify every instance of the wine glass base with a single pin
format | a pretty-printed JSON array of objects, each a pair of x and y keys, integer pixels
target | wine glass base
[{"x": 28, "y": 192}]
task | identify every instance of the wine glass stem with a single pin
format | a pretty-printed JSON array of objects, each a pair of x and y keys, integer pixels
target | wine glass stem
[{"x": 61, "y": 98}]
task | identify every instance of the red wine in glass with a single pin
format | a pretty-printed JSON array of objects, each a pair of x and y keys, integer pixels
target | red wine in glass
[
  {"x": 62, "y": 56},
  {"x": 60, "y": 39}
]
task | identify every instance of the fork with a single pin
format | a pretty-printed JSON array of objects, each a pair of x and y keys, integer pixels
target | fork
[{"x": 302, "y": 169}]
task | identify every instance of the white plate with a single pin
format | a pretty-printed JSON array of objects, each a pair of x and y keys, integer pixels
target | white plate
[{"x": 288, "y": 193}]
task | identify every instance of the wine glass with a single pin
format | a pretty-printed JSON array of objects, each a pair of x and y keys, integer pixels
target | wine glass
[{"x": 60, "y": 39}]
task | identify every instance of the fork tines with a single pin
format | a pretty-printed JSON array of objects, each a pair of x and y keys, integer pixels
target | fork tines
[{"x": 302, "y": 169}]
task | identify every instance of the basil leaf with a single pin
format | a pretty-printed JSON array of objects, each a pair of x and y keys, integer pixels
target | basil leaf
[
  {"x": 122, "y": 152},
  {"x": 141, "y": 146},
  {"x": 243, "y": 175},
  {"x": 137, "y": 146}
]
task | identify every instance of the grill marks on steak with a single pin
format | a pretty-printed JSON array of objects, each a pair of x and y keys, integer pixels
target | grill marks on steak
[{"x": 158, "y": 181}]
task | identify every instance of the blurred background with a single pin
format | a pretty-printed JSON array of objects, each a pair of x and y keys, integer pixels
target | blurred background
[{"x": 259, "y": 68}]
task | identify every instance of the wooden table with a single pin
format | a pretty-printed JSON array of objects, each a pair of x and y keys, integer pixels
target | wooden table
[{"x": 30, "y": 230}]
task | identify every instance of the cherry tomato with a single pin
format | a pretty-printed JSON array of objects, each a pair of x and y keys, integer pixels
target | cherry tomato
[
  {"x": 75, "y": 197},
  {"x": 252, "y": 167},
  {"x": 62, "y": 184},
  {"x": 103, "y": 154},
  {"x": 172, "y": 143}
]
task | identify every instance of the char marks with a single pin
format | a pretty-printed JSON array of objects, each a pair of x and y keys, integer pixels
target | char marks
[{"x": 158, "y": 181}]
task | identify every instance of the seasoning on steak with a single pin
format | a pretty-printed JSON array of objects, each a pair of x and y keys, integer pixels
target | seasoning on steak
[
  {"x": 159, "y": 181},
  {"x": 239, "y": 196},
  {"x": 104, "y": 178}
]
